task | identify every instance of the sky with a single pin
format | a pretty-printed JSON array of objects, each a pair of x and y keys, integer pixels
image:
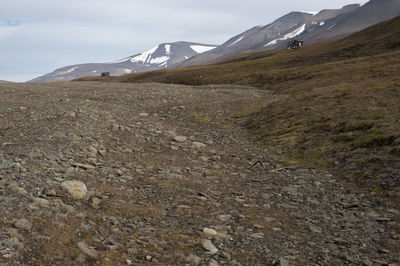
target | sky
[{"x": 37, "y": 37}]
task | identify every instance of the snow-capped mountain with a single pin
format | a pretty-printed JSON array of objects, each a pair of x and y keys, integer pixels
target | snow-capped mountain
[
  {"x": 310, "y": 27},
  {"x": 159, "y": 57}
]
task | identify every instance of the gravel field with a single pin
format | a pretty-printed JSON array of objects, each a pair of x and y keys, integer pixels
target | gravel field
[{"x": 154, "y": 174}]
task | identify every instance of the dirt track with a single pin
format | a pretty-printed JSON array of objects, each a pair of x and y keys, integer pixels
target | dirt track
[{"x": 168, "y": 182}]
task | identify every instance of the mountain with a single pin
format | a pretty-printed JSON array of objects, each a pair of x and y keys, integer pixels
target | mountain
[
  {"x": 159, "y": 57},
  {"x": 268, "y": 68},
  {"x": 325, "y": 25}
]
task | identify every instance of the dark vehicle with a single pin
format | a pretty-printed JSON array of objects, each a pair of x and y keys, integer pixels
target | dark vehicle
[
  {"x": 105, "y": 74},
  {"x": 295, "y": 44}
]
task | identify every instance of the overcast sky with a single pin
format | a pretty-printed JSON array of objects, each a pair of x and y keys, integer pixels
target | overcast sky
[{"x": 38, "y": 36}]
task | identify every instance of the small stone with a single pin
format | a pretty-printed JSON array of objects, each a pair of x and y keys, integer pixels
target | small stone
[
  {"x": 212, "y": 263},
  {"x": 96, "y": 203},
  {"x": 148, "y": 257},
  {"x": 257, "y": 235},
  {"x": 209, "y": 232},
  {"x": 43, "y": 203},
  {"x": 76, "y": 189},
  {"x": 92, "y": 151},
  {"x": 193, "y": 259},
  {"x": 89, "y": 251},
  {"x": 180, "y": 139},
  {"x": 198, "y": 144},
  {"x": 50, "y": 192},
  {"x": 209, "y": 246},
  {"x": 129, "y": 262},
  {"x": 224, "y": 217},
  {"x": 23, "y": 224},
  {"x": 21, "y": 191},
  {"x": 143, "y": 114},
  {"x": 70, "y": 114},
  {"x": 314, "y": 229},
  {"x": 283, "y": 262}
]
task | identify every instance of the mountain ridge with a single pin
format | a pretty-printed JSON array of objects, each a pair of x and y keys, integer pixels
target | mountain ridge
[
  {"x": 327, "y": 24},
  {"x": 158, "y": 57}
]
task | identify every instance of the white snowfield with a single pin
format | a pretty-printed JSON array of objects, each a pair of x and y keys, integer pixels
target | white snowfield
[
  {"x": 159, "y": 60},
  {"x": 235, "y": 42},
  {"x": 290, "y": 35},
  {"x": 331, "y": 27},
  {"x": 144, "y": 57},
  {"x": 201, "y": 49},
  {"x": 168, "y": 49},
  {"x": 67, "y": 71},
  {"x": 310, "y": 12}
]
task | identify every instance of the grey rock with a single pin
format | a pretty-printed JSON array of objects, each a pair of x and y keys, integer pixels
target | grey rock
[
  {"x": 198, "y": 145},
  {"x": 209, "y": 232},
  {"x": 315, "y": 229},
  {"x": 257, "y": 235},
  {"x": 283, "y": 262},
  {"x": 23, "y": 224},
  {"x": 43, "y": 203},
  {"x": 193, "y": 259},
  {"x": 76, "y": 189},
  {"x": 209, "y": 246},
  {"x": 89, "y": 251},
  {"x": 180, "y": 139},
  {"x": 212, "y": 262}
]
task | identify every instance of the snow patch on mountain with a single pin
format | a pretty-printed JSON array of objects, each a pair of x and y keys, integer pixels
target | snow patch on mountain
[
  {"x": 159, "y": 60},
  {"x": 144, "y": 57},
  {"x": 331, "y": 27},
  {"x": 71, "y": 70},
  {"x": 167, "y": 49},
  {"x": 201, "y": 49},
  {"x": 290, "y": 35},
  {"x": 235, "y": 42},
  {"x": 310, "y": 12}
]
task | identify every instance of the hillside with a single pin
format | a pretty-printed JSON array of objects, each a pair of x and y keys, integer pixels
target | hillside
[
  {"x": 152, "y": 174},
  {"x": 159, "y": 57},
  {"x": 338, "y": 106},
  {"x": 311, "y": 28}
]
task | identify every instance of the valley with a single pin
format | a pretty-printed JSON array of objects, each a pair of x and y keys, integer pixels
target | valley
[{"x": 164, "y": 177}]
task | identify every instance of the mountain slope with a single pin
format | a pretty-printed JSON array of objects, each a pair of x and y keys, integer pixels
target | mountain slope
[
  {"x": 258, "y": 68},
  {"x": 369, "y": 14},
  {"x": 337, "y": 102},
  {"x": 158, "y": 57},
  {"x": 312, "y": 28}
]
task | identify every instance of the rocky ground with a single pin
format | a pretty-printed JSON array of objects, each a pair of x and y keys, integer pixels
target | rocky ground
[{"x": 136, "y": 174}]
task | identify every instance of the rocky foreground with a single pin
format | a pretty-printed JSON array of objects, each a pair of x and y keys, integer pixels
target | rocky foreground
[{"x": 136, "y": 174}]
